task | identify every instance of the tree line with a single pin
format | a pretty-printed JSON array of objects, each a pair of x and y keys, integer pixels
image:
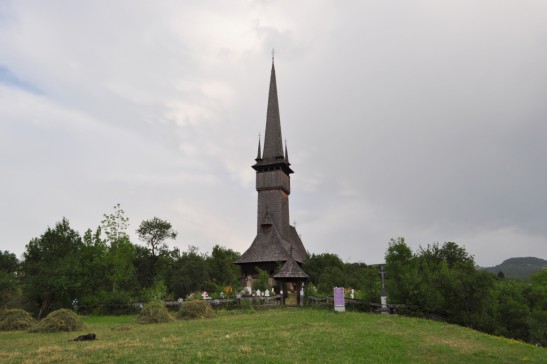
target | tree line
[
  {"x": 443, "y": 282},
  {"x": 104, "y": 271}
]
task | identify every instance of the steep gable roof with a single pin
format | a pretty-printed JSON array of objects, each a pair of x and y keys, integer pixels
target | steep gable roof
[{"x": 291, "y": 270}]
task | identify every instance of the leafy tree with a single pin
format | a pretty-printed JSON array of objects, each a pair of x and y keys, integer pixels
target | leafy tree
[
  {"x": 262, "y": 281},
  {"x": 222, "y": 270},
  {"x": 154, "y": 232},
  {"x": 52, "y": 267},
  {"x": 511, "y": 310},
  {"x": 329, "y": 278},
  {"x": 115, "y": 225},
  {"x": 119, "y": 260},
  {"x": 94, "y": 277},
  {"x": 316, "y": 265},
  {"x": 536, "y": 294},
  {"x": 403, "y": 279},
  {"x": 9, "y": 267},
  {"x": 440, "y": 280},
  {"x": 188, "y": 273}
]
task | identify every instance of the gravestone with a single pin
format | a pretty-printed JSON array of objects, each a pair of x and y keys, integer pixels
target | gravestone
[{"x": 339, "y": 302}]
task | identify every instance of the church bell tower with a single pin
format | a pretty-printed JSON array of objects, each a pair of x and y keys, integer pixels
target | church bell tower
[
  {"x": 273, "y": 181},
  {"x": 276, "y": 241}
]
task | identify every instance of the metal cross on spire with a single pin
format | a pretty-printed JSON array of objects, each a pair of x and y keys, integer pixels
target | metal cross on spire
[{"x": 273, "y": 55}]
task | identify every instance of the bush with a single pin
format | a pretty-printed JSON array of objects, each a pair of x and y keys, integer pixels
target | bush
[
  {"x": 195, "y": 309},
  {"x": 154, "y": 313},
  {"x": 16, "y": 320},
  {"x": 59, "y": 320}
]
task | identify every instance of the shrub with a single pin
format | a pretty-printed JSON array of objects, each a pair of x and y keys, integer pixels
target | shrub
[
  {"x": 16, "y": 320},
  {"x": 195, "y": 309},
  {"x": 59, "y": 320},
  {"x": 154, "y": 313}
]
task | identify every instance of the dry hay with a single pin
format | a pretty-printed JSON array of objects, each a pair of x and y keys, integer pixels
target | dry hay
[
  {"x": 195, "y": 309},
  {"x": 154, "y": 313},
  {"x": 60, "y": 320},
  {"x": 16, "y": 320}
]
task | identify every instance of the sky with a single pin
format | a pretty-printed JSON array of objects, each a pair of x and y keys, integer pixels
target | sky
[{"x": 418, "y": 119}]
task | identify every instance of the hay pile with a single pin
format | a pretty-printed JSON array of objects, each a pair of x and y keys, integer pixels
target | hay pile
[
  {"x": 16, "y": 320},
  {"x": 60, "y": 320},
  {"x": 154, "y": 313},
  {"x": 195, "y": 309}
]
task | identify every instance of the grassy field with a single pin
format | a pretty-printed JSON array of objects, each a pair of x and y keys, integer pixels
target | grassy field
[{"x": 287, "y": 335}]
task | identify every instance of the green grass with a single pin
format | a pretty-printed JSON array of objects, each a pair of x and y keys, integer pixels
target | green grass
[{"x": 274, "y": 336}]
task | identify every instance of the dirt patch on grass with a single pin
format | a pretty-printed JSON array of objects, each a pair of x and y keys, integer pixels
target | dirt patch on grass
[
  {"x": 460, "y": 344},
  {"x": 122, "y": 328},
  {"x": 49, "y": 349},
  {"x": 114, "y": 345},
  {"x": 245, "y": 349}
]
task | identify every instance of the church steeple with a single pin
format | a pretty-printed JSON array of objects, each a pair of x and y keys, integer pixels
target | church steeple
[
  {"x": 275, "y": 237},
  {"x": 273, "y": 143},
  {"x": 273, "y": 154}
]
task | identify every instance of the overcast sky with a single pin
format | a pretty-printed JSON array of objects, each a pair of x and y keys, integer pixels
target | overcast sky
[{"x": 420, "y": 119}]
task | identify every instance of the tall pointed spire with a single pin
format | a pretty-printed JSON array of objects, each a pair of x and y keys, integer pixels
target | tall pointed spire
[
  {"x": 259, "y": 155},
  {"x": 273, "y": 143}
]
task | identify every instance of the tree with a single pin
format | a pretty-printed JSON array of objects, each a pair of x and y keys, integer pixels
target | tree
[
  {"x": 154, "y": 232},
  {"x": 222, "y": 269},
  {"x": 52, "y": 267},
  {"x": 115, "y": 225},
  {"x": 9, "y": 267},
  {"x": 511, "y": 310},
  {"x": 403, "y": 281},
  {"x": 95, "y": 276},
  {"x": 120, "y": 260},
  {"x": 188, "y": 273},
  {"x": 536, "y": 295},
  {"x": 262, "y": 281},
  {"x": 316, "y": 265}
]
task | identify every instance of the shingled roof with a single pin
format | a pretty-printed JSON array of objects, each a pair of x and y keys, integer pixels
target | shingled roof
[
  {"x": 291, "y": 270},
  {"x": 268, "y": 246}
]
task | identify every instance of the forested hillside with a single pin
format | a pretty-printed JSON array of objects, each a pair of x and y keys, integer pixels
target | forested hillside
[{"x": 518, "y": 268}]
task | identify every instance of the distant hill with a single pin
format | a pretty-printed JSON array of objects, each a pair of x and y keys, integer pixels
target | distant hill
[{"x": 519, "y": 268}]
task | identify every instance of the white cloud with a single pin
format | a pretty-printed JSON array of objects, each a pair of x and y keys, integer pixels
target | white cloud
[{"x": 418, "y": 119}]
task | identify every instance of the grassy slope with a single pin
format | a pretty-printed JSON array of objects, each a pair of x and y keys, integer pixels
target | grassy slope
[{"x": 283, "y": 335}]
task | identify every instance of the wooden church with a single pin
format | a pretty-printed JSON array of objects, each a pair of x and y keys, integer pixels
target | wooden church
[{"x": 277, "y": 247}]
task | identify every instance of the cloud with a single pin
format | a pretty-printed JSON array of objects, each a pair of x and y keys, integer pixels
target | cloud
[{"x": 415, "y": 119}]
